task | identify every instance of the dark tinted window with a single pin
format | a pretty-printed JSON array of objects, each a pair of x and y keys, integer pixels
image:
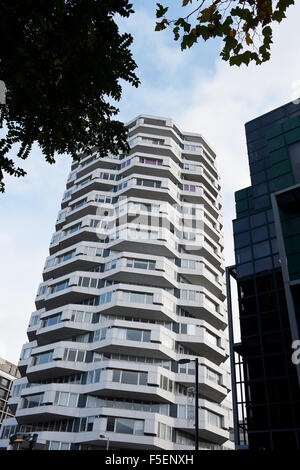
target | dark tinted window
[
  {"x": 259, "y": 234},
  {"x": 242, "y": 239},
  {"x": 258, "y": 219},
  {"x": 261, "y": 249},
  {"x": 240, "y": 225},
  {"x": 243, "y": 255},
  {"x": 263, "y": 264}
]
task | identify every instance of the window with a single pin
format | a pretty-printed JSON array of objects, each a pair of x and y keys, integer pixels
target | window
[
  {"x": 137, "y": 297},
  {"x": 56, "y": 238},
  {"x": 43, "y": 358},
  {"x": 243, "y": 255},
  {"x": 212, "y": 338},
  {"x": 240, "y": 225},
  {"x": 73, "y": 229},
  {"x": 131, "y": 334},
  {"x": 60, "y": 286},
  {"x": 86, "y": 424},
  {"x": 78, "y": 204},
  {"x": 244, "y": 269},
  {"x": 4, "y": 382},
  {"x": 213, "y": 376},
  {"x": 56, "y": 445},
  {"x": 66, "y": 256},
  {"x": 148, "y": 183},
  {"x": 261, "y": 249},
  {"x": 52, "y": 320},
  {"x": 34, "y": 320},
  {"x": 258, "y": 219},
  {"x": 110, "y": 265},
  {"x": 214, "y": 419},
  {"x": 164, "y": 431},
  {"x": 166, "y": 383},
  {"x": 103, "y": 198},
  {"x": 93, "y": 251},
  {"x": 153, "y": 141},
  {"x": 49, "y": 263},
  {"x": 125, "y": 426},
  {"x": 33, "y": 401},
  {"x": 242, "y": 239},
  {"x": 130, "y": 377},
  {"x": 84, "y": 182},
  {"x": 151, "y": 161},
  {"x": 74, "y": 355},
  {"x": 26, "y": 353},
  {"x": 140, "y": 264},
  {"x": 189, "y": 295},
  {"x": 42, "y": 290},
  {"x": 99, "y": 335},
  {"x": 259, "y": 234},
  {"x": 66, "y": 399},
  {"x": 80, "y": 316},
  {"x": 89, "y": 282}
]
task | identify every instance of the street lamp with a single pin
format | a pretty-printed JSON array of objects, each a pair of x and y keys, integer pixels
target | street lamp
[
  {"x": 102, "y": 436},
  {"x": 186, "y": 361}
]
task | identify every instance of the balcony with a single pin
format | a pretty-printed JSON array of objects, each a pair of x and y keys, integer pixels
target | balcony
[
  {"x": 79, "y": 258},
  {"x": 209, "y": 387},
  {"x": 196, "y": 173},
  {"x": 203, "y": 308},
  {"x": 201, "y": 345},
  {"x": 161, "y": 275},
  {"x": 205, "y": 277},
  {"x": 141, "y": 240},
  {"x": 154, "y": 189}
]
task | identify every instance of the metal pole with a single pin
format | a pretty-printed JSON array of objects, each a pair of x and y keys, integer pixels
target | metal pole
[
  {"x": 197, "y": 404},
  {"x": 229, "y": 271},
  {"x": 107, "y": 444}
]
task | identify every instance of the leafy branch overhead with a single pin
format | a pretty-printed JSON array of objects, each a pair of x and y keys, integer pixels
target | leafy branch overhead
[
  {"x": 61, "y": 62},
  {"x": 244, "y": 25}
]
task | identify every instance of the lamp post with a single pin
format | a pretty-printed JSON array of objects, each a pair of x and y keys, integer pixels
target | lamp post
[
  {"x": 102, "y": 436},
  {"x": 196, "y": 360}
]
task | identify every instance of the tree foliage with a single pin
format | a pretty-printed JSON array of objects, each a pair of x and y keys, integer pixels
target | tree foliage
[
  {"x": 244, "y": 25},
  {"x": 62, "y": 62}
]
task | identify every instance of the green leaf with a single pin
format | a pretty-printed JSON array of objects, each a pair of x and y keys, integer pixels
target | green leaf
[{"x": 161, "y": 11}]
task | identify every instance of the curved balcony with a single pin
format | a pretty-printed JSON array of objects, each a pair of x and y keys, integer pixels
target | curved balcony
[
  {"x": 206, "y": 431},
  {"x": 201, "y": 276},
  {"x": 196, "y": 173},
  {"x": 107, "y": 163},
  {"x": 85, "y": 233},
  {"x": 202, "y": 248},
  {"x": 164, "y": 277},
  {"x": 166, "y": 191},
  {"x": 164, "y": 246},
  {"x": 61, "y": 332},
  {"x": 209, "y": 389},
  {"x": 56, "y": 368},
  {"x": 201, "y": 346},
  {"x": 45, "y": 413}
]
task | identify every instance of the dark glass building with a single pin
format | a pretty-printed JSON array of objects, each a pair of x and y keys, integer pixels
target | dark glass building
[{"x": 266, "y": 374}]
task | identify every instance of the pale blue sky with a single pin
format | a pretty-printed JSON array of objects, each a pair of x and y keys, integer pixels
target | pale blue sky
[{"x": 199, "y": 91}]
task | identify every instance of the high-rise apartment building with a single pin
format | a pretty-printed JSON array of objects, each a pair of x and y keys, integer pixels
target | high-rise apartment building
[
  {"x": 8, "y": 373},
  {"x": 267, "y": 271},
  {"x": 134, "y": 283}
]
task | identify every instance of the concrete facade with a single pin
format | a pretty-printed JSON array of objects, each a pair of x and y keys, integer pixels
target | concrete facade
[{"x": 134, "y": 282}]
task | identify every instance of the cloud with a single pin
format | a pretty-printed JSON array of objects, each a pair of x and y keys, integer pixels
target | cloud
[
  {"x": 200, "y": 92},
  {"x": 212, "y": 98}
]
